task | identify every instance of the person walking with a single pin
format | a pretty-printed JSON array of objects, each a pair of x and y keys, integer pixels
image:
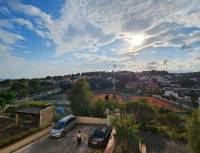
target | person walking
[{"x": 78, "y": 137}]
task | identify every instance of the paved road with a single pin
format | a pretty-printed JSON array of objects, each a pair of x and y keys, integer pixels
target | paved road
[{"x": 66, "y": 144}]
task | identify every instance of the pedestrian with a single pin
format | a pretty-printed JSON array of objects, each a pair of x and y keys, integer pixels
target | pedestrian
[{"x": 78, "y": 137}]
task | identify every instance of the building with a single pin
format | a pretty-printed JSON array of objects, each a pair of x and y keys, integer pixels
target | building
[
  {"x": 171, "y": 93},
  {"x": 134, "y": 85},
  {"x": 151, "y": 87},
  {"x": 36, "y": 116}
]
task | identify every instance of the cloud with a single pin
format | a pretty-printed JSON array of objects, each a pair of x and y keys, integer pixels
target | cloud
[
  {"x": 23, "y": 22},
  {"x": 165, "y": 62},
  {"x": 84, "y": 27},
  {"x": 18, "y": 67},
  {"x": 4, "y": 10},
  {"x": 90, "y": 24},
  {"x": 10, "y": 38}
]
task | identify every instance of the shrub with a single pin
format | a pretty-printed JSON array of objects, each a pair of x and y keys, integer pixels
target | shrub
[
  {"x": 37, "y": 103},
  {"x": 194, "y": 132},
  {"x": 149, "y": 127}
]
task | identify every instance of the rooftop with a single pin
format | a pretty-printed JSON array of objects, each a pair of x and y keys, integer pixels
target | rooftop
[{"x": 31, "y": 110}]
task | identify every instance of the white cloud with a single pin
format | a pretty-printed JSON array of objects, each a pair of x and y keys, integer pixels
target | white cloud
[
  {"x": 23, "y": 22},
  {"x": 8, "y": 37},
  {"x": 110, "y": 17},
  {"x": 85, "y": 25},
  {"x": 17, "y": 67}
]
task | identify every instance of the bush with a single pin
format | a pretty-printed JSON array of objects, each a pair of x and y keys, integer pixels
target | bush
[
  {"x": 98, "y": 109},
  {"x": 149, "y": 127},
  {"x": 170, "y": 118},
  {"x": 193, "y": 133},
  {"x": 143, "y": 112},
  {"x": 37, "y": 103}
]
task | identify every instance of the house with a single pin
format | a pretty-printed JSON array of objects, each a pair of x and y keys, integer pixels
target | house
[
  {"x": 151, "y": 87},
  {"x": 171, "y": 93},
  {"x": 34, "y": 116},
  {"x": 134, "y": 85}
]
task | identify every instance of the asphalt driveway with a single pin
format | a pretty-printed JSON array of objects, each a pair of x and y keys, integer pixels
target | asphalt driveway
[{"x": 65, "y": 144}]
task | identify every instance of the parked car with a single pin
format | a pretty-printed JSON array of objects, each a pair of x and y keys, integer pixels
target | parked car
[
  {"x": 63, "y": 126},
  {"x": 100, "y": 137}
]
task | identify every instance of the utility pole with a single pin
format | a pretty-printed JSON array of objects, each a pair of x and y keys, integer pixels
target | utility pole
[{"x": 114, "y": 82}]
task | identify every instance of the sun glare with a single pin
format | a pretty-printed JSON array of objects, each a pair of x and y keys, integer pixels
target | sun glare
[{"x": 136, "y": 40}]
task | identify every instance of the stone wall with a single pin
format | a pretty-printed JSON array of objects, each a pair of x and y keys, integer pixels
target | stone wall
[
  {"x": 46, "y": 116},
  {"x": 90, "y": 120}
]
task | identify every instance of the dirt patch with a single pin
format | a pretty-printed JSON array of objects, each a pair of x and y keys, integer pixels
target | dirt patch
[
  {"x": 158, "y": 103},
  {"x": 101, "y": 96}
]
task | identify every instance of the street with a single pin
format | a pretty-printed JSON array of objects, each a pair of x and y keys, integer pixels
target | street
[{"x": 65, "y": 144}]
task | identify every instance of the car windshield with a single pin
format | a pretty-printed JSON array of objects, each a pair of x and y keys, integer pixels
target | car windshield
[
  {"x": 98, "y": 134},
  {"x": 59, "y": 125}
]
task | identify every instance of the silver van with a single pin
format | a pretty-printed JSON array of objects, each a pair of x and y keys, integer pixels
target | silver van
[{"x": 63, "y": 126}]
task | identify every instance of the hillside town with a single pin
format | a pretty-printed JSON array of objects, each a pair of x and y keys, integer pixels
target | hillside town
[
  {"x": 100, "y": 76},
  {"x": 38, "y": 102}
]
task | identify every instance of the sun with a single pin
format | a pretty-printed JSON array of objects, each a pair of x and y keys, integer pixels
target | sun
[{"x": 136, "y": 40}]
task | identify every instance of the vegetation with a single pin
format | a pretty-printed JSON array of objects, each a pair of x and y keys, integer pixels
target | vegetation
[
  {"x": 145, "y": 116},
  {"x": 7, "y": 98},
  {"x": 80, "y": 97},
  {"x": 25, "y": 87},
  {"x": 194, "y": 97},
  {"x": 140, "y": 111},
  {"x": 126, "y": 131},
  {"x": 149, "y": 118},
  {"x": 36, "y": 103},
  {"x": 194, "y": 132},
  {"x": 98, "y": 108},
  {"x": 10, "y": 111}
]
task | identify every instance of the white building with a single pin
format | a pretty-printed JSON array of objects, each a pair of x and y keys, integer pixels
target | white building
[{"x": 171, "y": 93}]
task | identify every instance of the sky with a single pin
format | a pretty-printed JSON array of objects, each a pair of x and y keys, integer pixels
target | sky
[{"x": 58, "y": 37}]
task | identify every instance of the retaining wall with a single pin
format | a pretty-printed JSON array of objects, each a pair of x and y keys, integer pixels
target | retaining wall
[
  {"x": 90, "y": 120},
  {"x": 111, "y": 143}
]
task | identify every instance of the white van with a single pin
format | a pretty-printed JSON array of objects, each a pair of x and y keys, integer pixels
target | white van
[{"x": 63, "y": 126}]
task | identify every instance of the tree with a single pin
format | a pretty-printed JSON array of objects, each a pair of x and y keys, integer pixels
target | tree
[
  {"x": 20, "y": 87},
  {"x": 98, "y": 108},
  {"x": 194, "y": 97},
  {"x": 34, "y": 86},
  {"x": 2, "y": 102},
  {"x": 7, "y": 98},
  {"x": 80, "y": 97},
  {"x": 194, "y": 132}
]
